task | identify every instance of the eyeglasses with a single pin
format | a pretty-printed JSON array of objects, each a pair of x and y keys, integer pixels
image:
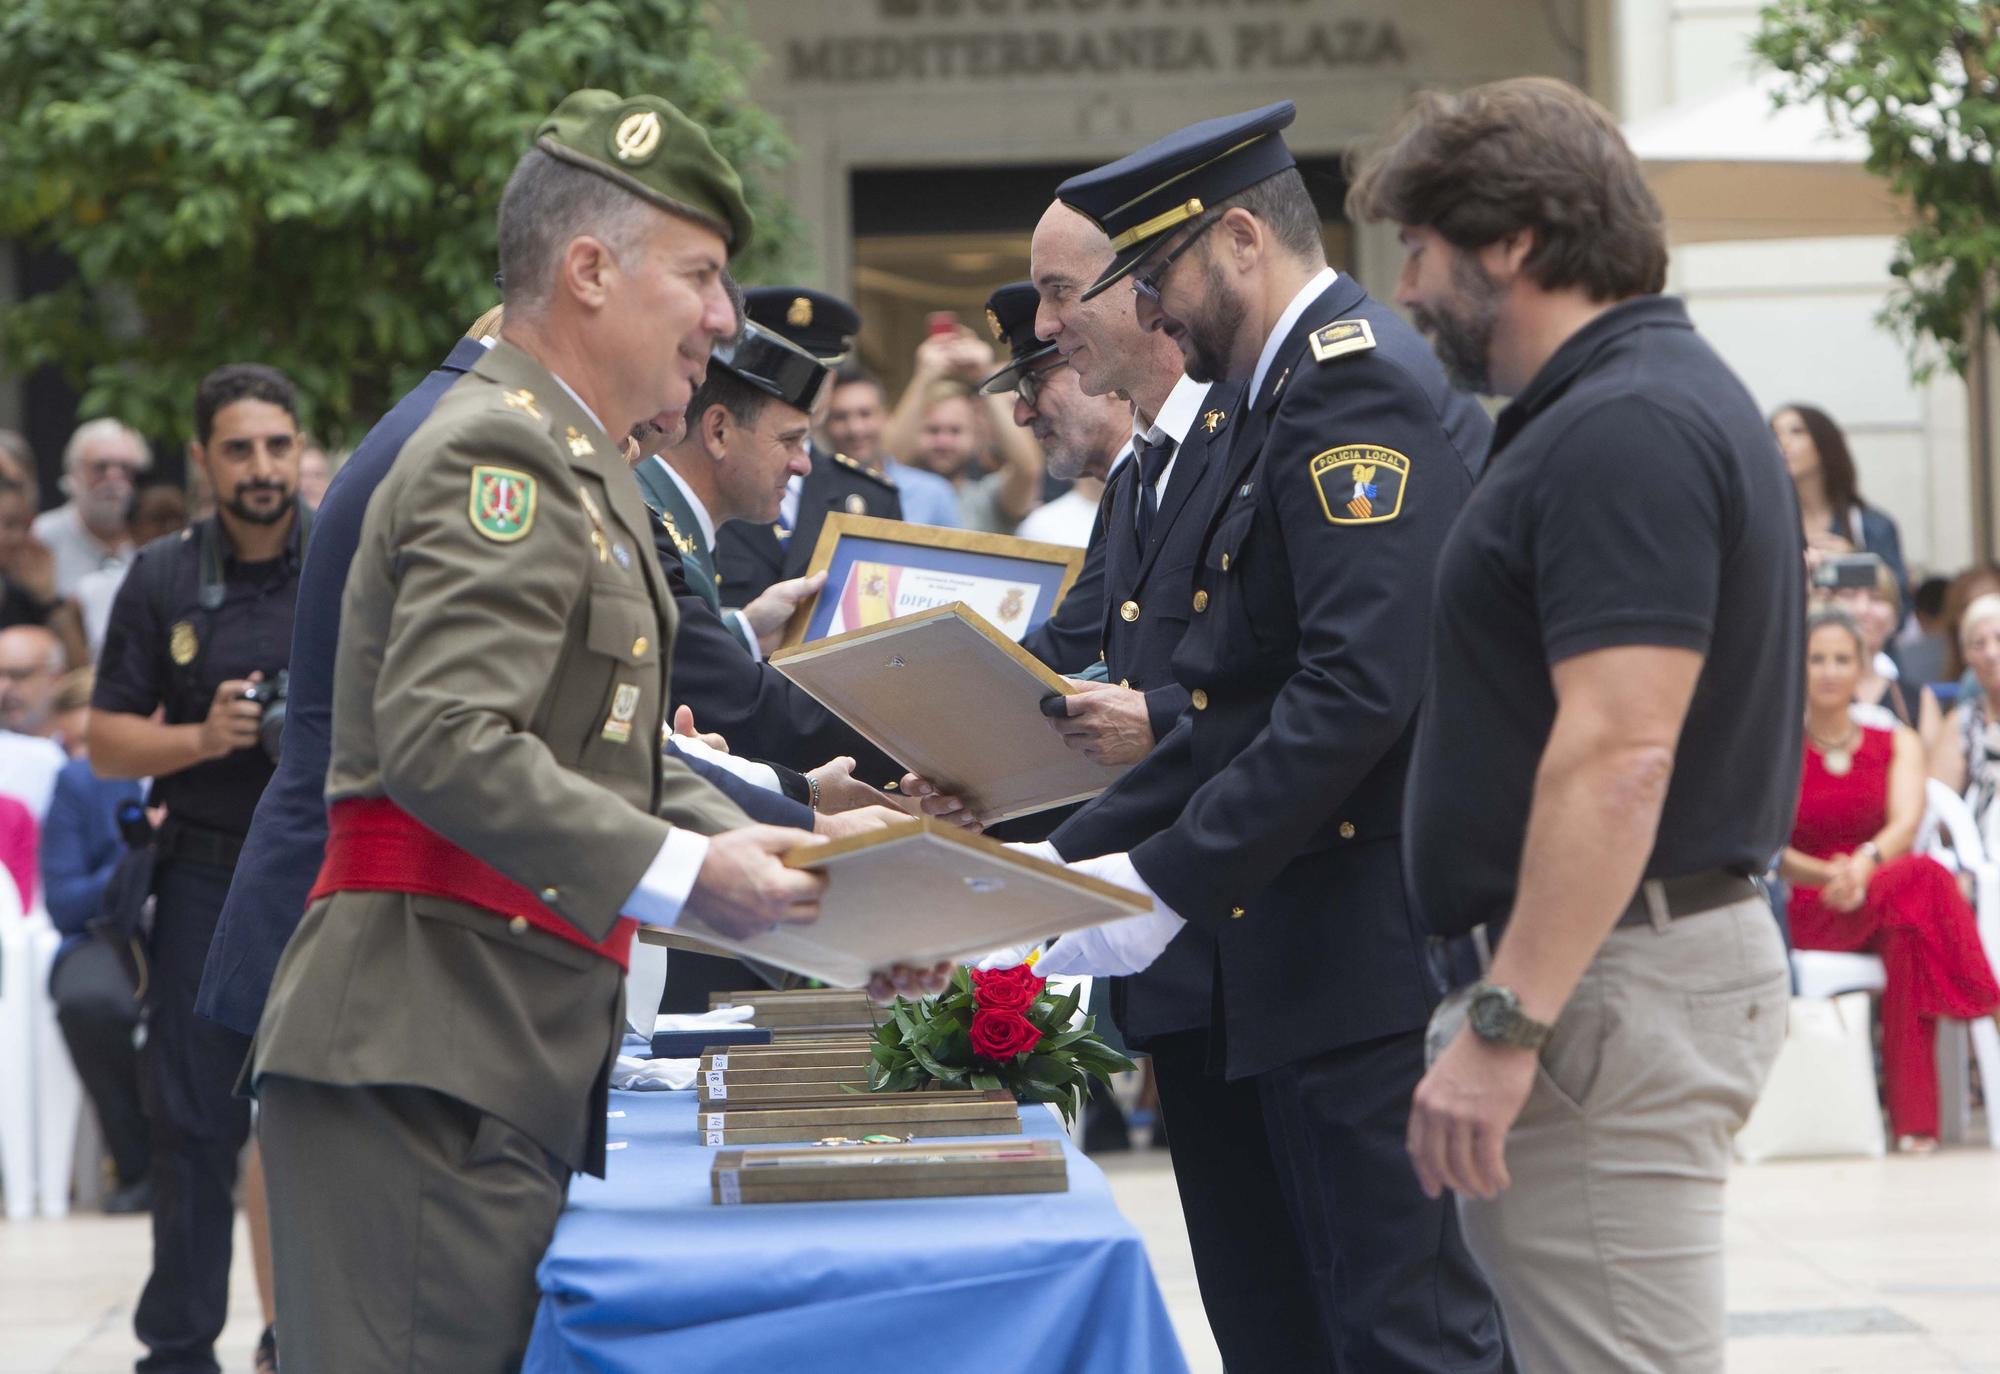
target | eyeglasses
[
  {"x": 1148, "y": 284},
  {"x": 1028, "y": 386}
]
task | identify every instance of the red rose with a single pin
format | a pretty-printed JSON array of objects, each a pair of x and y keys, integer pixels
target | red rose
[
  {"x": 1006, "y": 989},
  {"x": 1000, "y": 1035}
]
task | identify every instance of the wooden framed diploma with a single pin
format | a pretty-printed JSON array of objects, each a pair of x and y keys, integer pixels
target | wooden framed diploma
[
  {"x": 954, "y": 700},
  {"x": 879, "y": 570},
  {"x": 918, "y": 892}
]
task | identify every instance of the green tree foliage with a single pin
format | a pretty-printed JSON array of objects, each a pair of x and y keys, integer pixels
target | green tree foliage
[
  {"x": 311, "y": 183},
  {"x": 1920, "y": 79}
]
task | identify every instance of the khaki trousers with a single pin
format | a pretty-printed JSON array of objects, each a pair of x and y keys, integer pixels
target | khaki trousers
[
  {"x": 406, "y": 1227},
  {"x": 1606, "y": 1251}
]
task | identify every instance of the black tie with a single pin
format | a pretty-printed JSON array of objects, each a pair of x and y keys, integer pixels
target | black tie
[{"x": 1153, "y": 460}]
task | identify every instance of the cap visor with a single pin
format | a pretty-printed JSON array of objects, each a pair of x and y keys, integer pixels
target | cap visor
[
  {"x": 1003, "y": 380},
  {"x": 1125, "y": 262}
]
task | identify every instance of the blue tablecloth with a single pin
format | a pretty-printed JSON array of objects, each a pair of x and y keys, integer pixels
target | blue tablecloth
[{"x": 644, "y": 1274}]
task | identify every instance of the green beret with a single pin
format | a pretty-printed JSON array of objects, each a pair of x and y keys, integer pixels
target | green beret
[{"x": 654, "y": 151}]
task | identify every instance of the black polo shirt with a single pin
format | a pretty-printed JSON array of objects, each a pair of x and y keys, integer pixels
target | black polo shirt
[
  {"x": 250, "y": 631},
  {"x": 1634, "y": 496}
]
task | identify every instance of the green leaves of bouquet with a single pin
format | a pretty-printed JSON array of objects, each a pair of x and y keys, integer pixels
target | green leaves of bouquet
[{"x": 990, "y": 1029}]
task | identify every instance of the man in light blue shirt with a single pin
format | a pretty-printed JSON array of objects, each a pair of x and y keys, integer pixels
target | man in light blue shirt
[{"x": 854, "y": 419}]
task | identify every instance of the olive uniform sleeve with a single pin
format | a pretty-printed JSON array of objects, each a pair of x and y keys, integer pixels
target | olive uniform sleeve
[{"x": 485, "y": 636}]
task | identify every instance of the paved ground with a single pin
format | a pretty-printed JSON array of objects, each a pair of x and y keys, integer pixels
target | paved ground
[{"x": 1852, "y": 1267}]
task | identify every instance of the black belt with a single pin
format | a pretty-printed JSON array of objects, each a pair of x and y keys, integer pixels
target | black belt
[
  {"x": 198, "y": 844},
  {"x": 1690, "y": 895}
]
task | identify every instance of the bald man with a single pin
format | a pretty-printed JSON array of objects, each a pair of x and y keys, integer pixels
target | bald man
[{"x": 31, "y": 661}]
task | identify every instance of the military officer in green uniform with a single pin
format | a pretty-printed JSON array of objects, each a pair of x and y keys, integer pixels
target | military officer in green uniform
[
  {"x": 432, "y": 1061},
  {"x": 750, "y": 556}
]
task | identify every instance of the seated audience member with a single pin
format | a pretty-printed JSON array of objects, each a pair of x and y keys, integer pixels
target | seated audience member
[
  {"x": 1836, "y": 519},
  {"x": 31, "y": 661},
  {"x": 1875, "y": 611},
  {"x": 1965, "y": 756},
  {"x": 944, "y": 424},
  {"x": 27, "y": 573},
  {"x": 101, "y": 464},
  {"x": 1964, "y": 589},
  {"x": 95, "y": 1002},
  {"x": 158, "y": 508},
  {"x": 1923, "y": 649},
  {"x": 1856, "y": 885},
  {"x": 315, "y": 471},
  {"x": 856, "y": 412},
  {"x": 71, "y": 710},
  {"x": 18, "y": 838}
]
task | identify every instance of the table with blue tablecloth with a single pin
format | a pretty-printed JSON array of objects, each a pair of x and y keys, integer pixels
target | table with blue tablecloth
[{"x": 645, "y": 1274}]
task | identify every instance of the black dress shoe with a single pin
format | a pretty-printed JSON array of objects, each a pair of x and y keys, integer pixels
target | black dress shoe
[{"x": 136, "y": 1196}]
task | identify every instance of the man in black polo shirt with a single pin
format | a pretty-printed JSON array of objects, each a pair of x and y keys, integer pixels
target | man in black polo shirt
[
  {"x": 202, "y": 626},
  {"x": 1610, "y": 743}
]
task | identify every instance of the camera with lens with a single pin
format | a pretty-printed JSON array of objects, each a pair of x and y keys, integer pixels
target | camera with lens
[{"x": 270, "y": 694}]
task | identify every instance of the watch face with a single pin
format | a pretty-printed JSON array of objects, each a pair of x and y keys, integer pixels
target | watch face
[{"x": 1489, "y": 1014}]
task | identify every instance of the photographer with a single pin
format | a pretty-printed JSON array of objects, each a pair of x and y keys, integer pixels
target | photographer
[{"x": 188, "y": 693}]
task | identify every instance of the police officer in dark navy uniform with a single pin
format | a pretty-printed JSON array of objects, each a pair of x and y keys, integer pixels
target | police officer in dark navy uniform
[
  {"x": 202, "y": 627},
  {"x": 1274, "y": 806},
  {"x": 749, "y": 558}
]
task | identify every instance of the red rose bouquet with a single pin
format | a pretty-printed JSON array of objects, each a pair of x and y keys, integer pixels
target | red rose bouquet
[{"x": 994, "y": 1028}]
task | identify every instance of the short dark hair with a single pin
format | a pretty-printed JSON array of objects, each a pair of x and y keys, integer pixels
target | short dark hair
[
  {"x": 1836, "y": 460},
  {"x": 1286, "y": 209},
  {"x": 1929, "y": 597},
  {"x": 852, "y": 373},
  {"x": 1528, "y": 153},
  {"x": 724, "y": 388},
  {"x": 233, "y": 382}
]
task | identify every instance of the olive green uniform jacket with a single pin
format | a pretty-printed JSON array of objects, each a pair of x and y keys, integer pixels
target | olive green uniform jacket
[{"x": 502, "y": 677}]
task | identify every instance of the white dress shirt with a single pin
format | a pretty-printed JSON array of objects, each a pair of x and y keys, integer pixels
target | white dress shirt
[
  {"x": 1308, "y": 293},
  {"x": 1176, "y": 418}
]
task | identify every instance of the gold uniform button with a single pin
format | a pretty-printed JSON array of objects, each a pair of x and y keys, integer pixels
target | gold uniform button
[
  {"x": 1236, "y": 913},
  {"x": 1125, "y": 682},
  {"x": 549, "y": 895},
  {"x": 1199, "y": 698},
  {"x": 1347, "y": 830},
  {"x": 1225, "y": 562},
  {"x": 519, "y": 925},
  {"x": 1129, "y": 612},
  {"x": 1201, "y": 601},
  {"x": 640, "y": 645}
]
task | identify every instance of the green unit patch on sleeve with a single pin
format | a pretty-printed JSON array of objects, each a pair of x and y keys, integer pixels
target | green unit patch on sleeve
[{"x": 502, "y": 504}]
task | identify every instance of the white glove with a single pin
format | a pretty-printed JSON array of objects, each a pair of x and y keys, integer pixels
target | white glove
[
  {"x": 1005, "y": 958},
  {"x": 1121, "y": 947},
  {"x": 715, "y": 1018},
  {"x": 653, "y": 1075}
]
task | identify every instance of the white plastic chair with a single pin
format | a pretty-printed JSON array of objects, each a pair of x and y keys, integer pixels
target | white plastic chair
[
  {"x": 17, "y": 1053},
  {"x": 1949, "y": 834},
  {"x": 58, "y": 1091}
]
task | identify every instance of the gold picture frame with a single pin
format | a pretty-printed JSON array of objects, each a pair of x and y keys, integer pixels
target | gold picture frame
[{"x": 1051, "y": 569}]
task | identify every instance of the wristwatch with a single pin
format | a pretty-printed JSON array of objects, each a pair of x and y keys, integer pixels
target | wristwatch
[{"x": 1495, "y": 1016}]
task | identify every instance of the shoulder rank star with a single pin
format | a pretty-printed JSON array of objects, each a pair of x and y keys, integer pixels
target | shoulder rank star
[
  {"x": 524, "y": 400},
  {"x": 1341, "y": 338},
  {"x": 579, "y": 445}
]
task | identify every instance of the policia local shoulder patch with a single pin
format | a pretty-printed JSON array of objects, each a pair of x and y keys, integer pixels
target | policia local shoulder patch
[{"x": 1361, "y": 484}]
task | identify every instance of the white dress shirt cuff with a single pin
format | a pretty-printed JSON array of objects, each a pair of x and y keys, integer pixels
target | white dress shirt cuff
[
  {"x": 739, "y": 625},
  {"x": 663, "y": 888},
  {"x": 750, "y": 770}
]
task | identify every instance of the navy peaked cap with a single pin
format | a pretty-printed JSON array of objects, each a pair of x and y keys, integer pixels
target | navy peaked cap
[
  {"x": 1139, "y": 200},
  {"x": 1010, "y": 314},
  {"x": 822, "y": 325},
  {"x": 773, "y": 364}
]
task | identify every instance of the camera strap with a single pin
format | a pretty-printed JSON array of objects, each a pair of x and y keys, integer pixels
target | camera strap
[{"x": 188, "y": 628}]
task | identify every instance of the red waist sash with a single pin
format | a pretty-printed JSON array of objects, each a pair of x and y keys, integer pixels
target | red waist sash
[{"x": 373, "y": 845}]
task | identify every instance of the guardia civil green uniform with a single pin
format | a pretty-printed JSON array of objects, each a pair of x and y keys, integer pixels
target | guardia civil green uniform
[{"x": 433, "y": 1057}]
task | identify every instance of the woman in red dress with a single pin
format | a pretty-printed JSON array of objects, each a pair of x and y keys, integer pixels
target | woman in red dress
[{"x": 1857, "y": 886}]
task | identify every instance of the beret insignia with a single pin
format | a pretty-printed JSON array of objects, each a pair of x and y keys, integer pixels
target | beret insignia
[{"x": 637, "y": 138}]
